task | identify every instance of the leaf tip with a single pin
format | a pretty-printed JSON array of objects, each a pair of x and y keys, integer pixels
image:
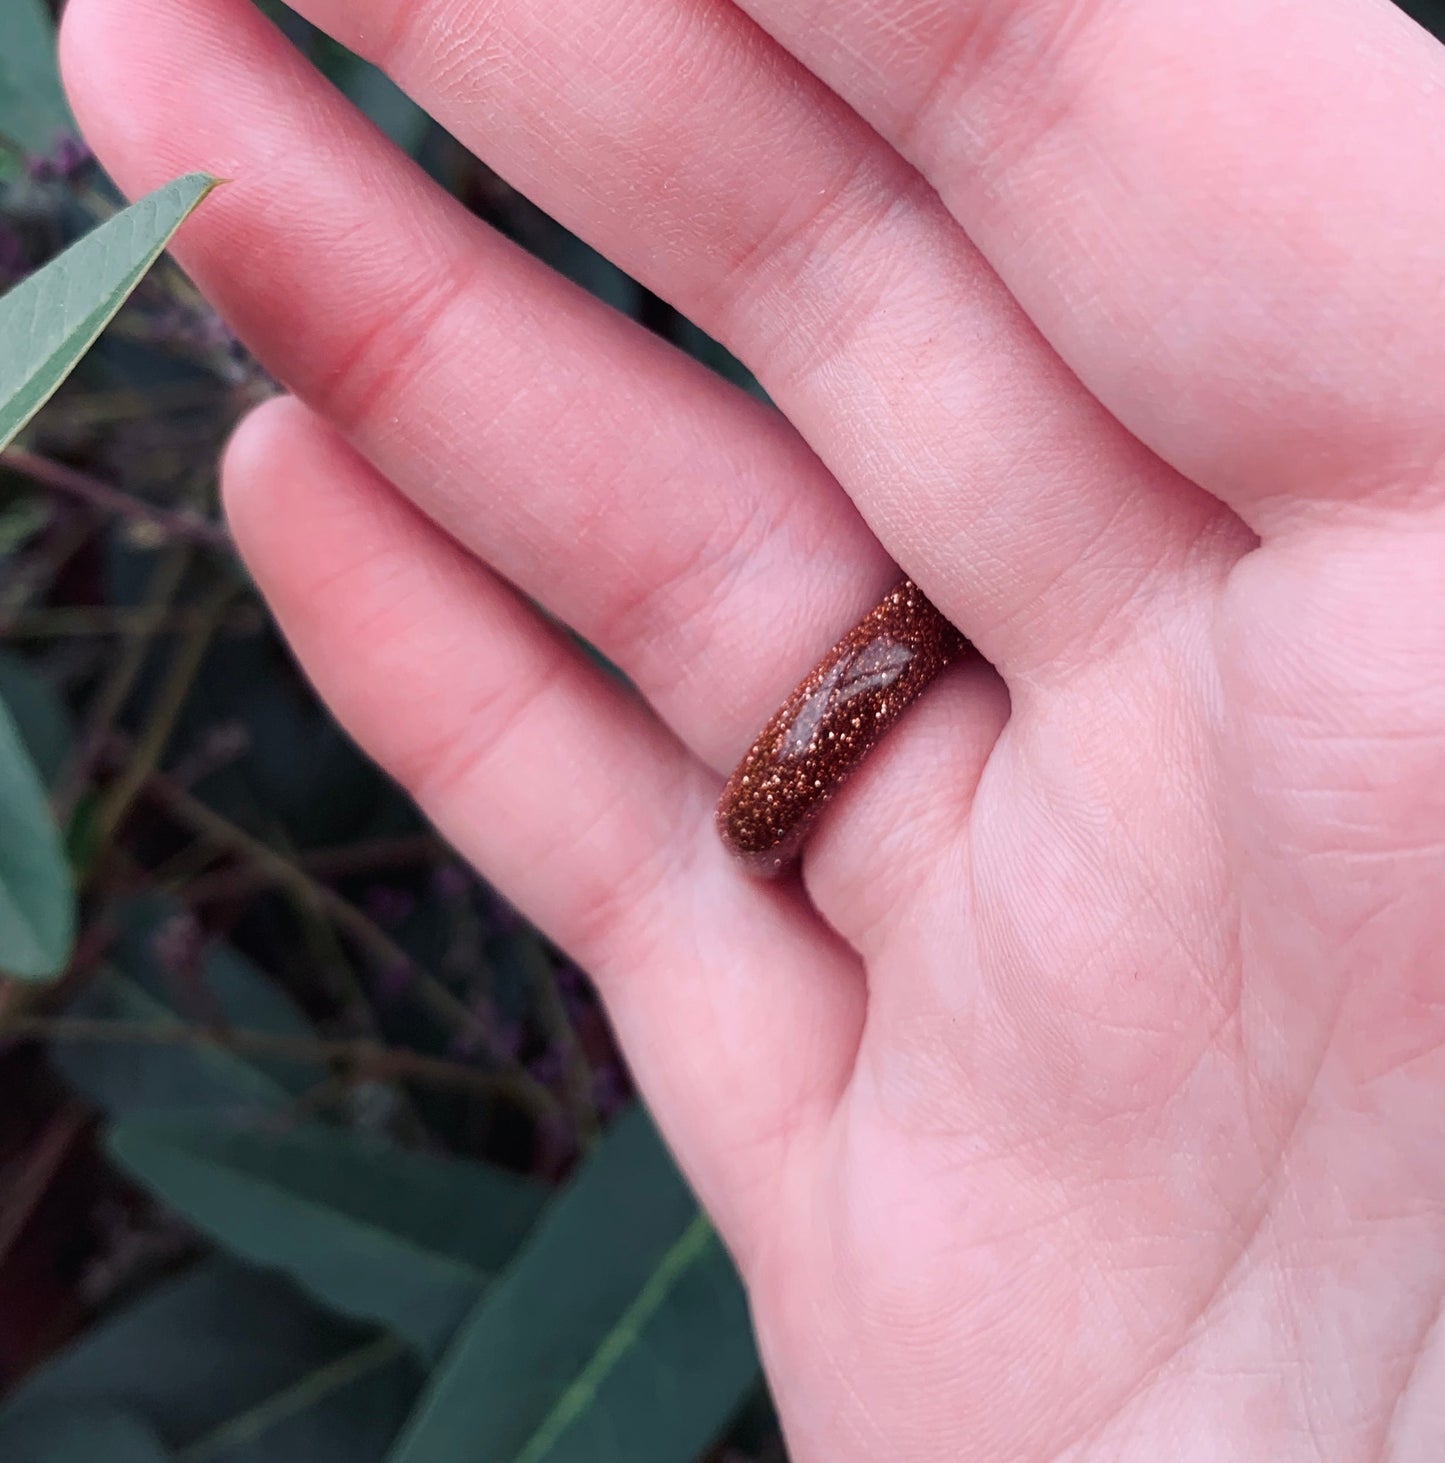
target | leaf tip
[{"x": 203, "y": 183}]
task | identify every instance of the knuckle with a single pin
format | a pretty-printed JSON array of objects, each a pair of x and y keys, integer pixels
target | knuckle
[
  {"x": 1004, "y": 75},
  {"x": 390, "y": 350}
]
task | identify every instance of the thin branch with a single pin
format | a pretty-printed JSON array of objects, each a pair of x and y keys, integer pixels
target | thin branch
[
  {"x": 165, "y": 581},
  {"x": 365, "y": 1059},
  {"x": 24, "y": 1195},
  {"x": 370, "y": 856},
  {"x": 78, "y": 621},
  {"x": 110, "y": 499},
  {"x": 286, "y": 874},
  {"x": 125, "y": 403},
  {"x": 36, "y": 569},
  {"x": 169, "y": 702},
  {"x": 578, "y": 1071}
]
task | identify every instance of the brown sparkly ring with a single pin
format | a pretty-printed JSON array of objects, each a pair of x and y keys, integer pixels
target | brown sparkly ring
[{"x": 830, "y": 723}]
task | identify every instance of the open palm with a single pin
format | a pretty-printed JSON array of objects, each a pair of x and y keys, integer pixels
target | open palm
[{"x": 1083, "y": 1097}]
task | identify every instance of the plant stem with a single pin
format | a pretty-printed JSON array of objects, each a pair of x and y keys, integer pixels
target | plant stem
[
  {"x": 37, "y": 570},
  {"x": 369, "y": 856},
  {"x": 78, "y": 621},
  {"x": 165, "y": 580},
  {"x": 286, "y": 874},
  {"x": 126, "y": 403},
  {"x": 368, "y": 1059},
  {"x": 109, "y": 499},
  {"x": 180, "y": 678},
  {"x": 553, "y": 1011}
]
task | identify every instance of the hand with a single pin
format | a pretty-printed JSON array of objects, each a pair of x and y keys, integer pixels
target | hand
[{"x": 1084, "y": 1099}]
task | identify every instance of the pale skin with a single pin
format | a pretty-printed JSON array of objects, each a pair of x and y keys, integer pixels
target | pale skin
[{"x": 1083, "y": 1097}]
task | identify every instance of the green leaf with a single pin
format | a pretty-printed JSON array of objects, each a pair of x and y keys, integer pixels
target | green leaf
[
  {"x": 159, "y": 1075},
  {"x": 66, "y": 1436},
  {"x": 32, "y": 103},
  {"x": 37, "y": 902},
  {"x": 404, "y": 1239},
  {"x": 619, "y": 1335},
  {"x": 22, "y": 520},
  {"x": 230, "y": 1365},
  {"x": 40, "y": 715},
  {"x": 49, "y": 320},
  {"x": 389, "y": 109},
  {"x": 702, "y": 347}
]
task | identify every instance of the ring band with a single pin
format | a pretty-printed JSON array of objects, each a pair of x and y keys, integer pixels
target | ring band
[{"x": 829, "y": 724}]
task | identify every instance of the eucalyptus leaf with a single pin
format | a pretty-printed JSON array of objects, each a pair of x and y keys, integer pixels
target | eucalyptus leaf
[
  {"x": 405, "y": 1239},
  {"x": 619, "y": 1335},
  {"x": 51, "y": 318},
  {"x": 702, "y": 347},
  {"x": 40, "y": 715},
  {"x": 67, "y": 1436},
  {"x": 33, "y": 111},
  {"x": 597, "y": 274},
  {"x": 389, "y": 109},
  {"x": 230, "y": 1365},
  {"x": 37, "y": 900}
]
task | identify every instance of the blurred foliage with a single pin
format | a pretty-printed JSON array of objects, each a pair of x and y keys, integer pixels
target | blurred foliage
[
  {"x": 33, "y": 109},
  {"x": 312, "y": 1150},
  {"x": 37, "y": 907},
  {"x": 406, "y": 1240},
  {"x": 644, "y": 1353},
  {"x": 228, "y": 1365}
]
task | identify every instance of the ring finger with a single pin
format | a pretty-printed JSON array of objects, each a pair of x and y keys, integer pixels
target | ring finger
[{"x": 695, "y": 152}]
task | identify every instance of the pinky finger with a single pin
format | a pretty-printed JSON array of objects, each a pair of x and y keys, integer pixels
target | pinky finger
[{"x": 738, "y": 1011}]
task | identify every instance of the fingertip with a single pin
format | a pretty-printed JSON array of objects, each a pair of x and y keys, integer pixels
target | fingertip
[
  {"x": 306, "y": 509},
  {"x": 298, "y": 498},
  {"x": 82, "y": 56},
  {"x": 254, "y": 466},
  {"x": 142, "y": 80},
  {"x": 98, "y": 46},
  {"x": 78, "y": 22}
]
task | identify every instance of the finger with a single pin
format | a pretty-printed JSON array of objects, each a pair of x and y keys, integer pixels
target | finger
[
  {"x": 979, "y": 462},
  {"x": 737, "y": 1011},
  {"x": 671, "y": 519},
  {"x": 1227, "y": 218},
  {"x": 709, "y": 555}
]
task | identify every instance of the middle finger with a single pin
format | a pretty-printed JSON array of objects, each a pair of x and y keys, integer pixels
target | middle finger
[{"x": 692, "y": 150}]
